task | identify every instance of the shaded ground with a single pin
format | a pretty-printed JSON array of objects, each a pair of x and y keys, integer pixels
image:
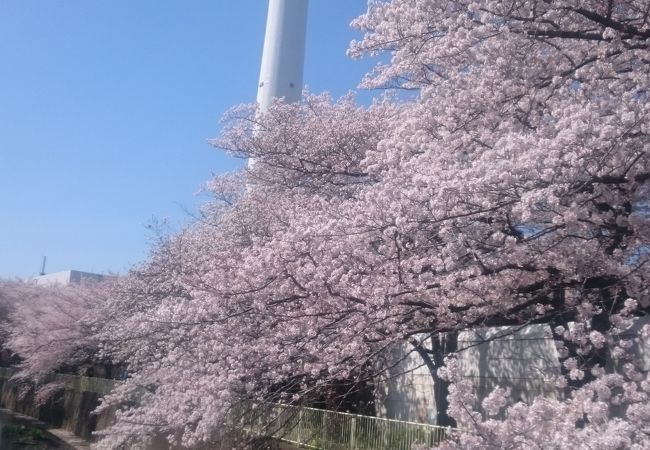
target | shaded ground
[{"x": 18, "y": 432}]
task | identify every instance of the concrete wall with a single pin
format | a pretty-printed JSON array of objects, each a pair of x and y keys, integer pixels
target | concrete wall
[
  {"x": 69, "y": 409},
  {"x": 513, "y": 357},
  {"x": 518, "y": 358},
  {"x": 404, "y": 391},
  {"x": 640, "y": 346}
]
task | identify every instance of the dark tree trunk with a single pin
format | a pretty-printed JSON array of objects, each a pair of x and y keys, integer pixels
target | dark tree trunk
[{"x": 434, "y": 358}]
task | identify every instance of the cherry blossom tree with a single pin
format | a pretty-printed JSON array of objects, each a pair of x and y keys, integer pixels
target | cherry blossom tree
[
  {"x": 509, "y": 188},
  {"x": 533, "y": 194},
  {"x": 54, "y": 328},
  {"x": 6, "y": 306},
  {"x": 232, "y": 321}
]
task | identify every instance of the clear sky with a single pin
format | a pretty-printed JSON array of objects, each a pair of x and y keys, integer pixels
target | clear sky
[{"x": 105, "y": 112}]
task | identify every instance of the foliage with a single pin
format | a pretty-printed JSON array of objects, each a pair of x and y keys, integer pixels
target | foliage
[
  {"x": 55, "y": 328},
  {"x": 514, "y": 177},
  {"x": 511, "y": 190}
]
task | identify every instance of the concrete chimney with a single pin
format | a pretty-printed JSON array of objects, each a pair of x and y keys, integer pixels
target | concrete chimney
[{"x": 283, "y": 56}]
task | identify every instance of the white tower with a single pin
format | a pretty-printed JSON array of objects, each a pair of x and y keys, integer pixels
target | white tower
[{"x": 283, "y": 56}]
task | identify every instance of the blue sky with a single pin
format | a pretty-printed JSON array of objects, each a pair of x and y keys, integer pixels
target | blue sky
[{"x": 106, "y": 109}]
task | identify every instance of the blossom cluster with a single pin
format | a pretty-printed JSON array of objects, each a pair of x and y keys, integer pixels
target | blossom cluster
[{"x": 511, "y": 190}]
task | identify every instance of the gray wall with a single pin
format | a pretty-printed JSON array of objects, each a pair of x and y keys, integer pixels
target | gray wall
[
  {"x": 513, "y": 357},
  {"x": 519, "y": 358}
]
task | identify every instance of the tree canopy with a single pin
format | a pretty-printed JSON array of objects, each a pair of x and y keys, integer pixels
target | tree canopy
[{"x": 503, "y": 179}]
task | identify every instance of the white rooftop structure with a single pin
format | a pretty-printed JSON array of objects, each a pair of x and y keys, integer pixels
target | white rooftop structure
[{"x": 67, "y": 277}]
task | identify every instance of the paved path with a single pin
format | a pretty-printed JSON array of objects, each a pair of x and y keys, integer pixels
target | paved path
[{"x": 70, "y": 439}]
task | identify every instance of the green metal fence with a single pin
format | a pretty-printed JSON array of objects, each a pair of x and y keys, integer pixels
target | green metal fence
[
  {"x": 306, "y": 427},
  {"x": 330, "y": 430}
]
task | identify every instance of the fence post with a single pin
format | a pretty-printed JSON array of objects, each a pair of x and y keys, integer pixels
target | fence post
[
  {"x": 300, "y": 413},
  {"x": 324, "y": 434},
  {"x": 353, "y": 432}
]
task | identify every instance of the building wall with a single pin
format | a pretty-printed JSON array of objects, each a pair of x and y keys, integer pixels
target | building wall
[
  {"x": 404, "y": 390},
  {"x": 510, "y": 357},
  {"x": 519, "y": 358},
  {"x": 67, "y": 277},
  {"x": 639, "y": 344}
]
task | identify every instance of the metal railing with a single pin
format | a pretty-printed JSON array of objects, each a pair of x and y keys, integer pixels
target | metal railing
[
  {"x": 307, "y": 427},
  {"x": 330, "y": 430}
]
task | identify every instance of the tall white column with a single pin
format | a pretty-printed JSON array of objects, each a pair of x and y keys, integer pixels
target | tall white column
[{"x": 283, "y": 56}]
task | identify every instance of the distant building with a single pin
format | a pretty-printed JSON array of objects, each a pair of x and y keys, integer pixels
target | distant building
[{"x": 67, "y": 277}]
